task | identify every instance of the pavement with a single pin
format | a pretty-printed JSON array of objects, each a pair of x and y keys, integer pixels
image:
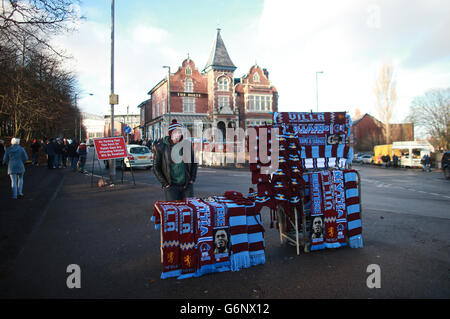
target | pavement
[{"x": 63, "y": 220}]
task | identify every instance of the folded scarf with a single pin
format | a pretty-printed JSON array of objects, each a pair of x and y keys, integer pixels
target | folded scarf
[
  {"x": 169, "y": 240},
  {"x": 240, "y": 257},
  {"x": 221, "y": 235},
  {"x": 203, "y": 235},
  {"x": 188, "y": 255},
  {"x": 353, "y": 210},
  {"x": 255, "y": 231}
]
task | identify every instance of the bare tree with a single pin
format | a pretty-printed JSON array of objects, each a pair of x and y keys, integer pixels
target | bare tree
[
  {"x": 36, "y": 19},
  {"x": 431, "y": 112},
  {"x": 386, "y": 96}
]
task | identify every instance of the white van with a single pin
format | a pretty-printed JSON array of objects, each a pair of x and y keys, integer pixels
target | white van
[{"x": 412, "y": 152}]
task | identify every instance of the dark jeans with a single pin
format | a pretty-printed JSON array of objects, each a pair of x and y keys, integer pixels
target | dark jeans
[
  {"x": 51, "y": 161},
  {"x": 178, "y": 192}
]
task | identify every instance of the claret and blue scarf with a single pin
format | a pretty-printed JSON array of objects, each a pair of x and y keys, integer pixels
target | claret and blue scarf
[
  {"x": 225, "y": 233},
  {"x": 216, "y": 234}
]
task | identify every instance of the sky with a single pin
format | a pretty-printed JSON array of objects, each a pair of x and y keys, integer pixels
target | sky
[{"x": 347, "y": 40}]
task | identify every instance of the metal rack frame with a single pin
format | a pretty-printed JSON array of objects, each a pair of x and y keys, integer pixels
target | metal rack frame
[{"x": 281, "y": 215}]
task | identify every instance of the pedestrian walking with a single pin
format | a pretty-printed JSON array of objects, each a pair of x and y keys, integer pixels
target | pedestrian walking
[
  {"x": 58, "y": 150},
  {"x": 176, "y": 177},
  {"x": 35, "y": 147},
  {"x": 50, "y": 151},
  {"x": 2, "y": 151},
  {"x": 65, "y": 152},
  {"x": 426, "y": 163},
  {"x": 15, "y": 156},
  {"x": 395, "y": 160},
  {"x": 72, "y": 154},
  {"x": 82, "y": 153}
]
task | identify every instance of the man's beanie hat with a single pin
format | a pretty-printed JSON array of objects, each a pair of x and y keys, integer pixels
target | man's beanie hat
[{"x": 174, "y": 125}]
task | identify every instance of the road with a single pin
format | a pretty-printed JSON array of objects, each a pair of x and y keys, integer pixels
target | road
[{"x": 406, "y": 219}]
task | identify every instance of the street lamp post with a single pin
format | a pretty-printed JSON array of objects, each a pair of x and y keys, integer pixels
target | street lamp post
[
  {"x": 168, "y": 94},
  {"x": 112, "y": 164},
  {"x": 317, "y": 91}
]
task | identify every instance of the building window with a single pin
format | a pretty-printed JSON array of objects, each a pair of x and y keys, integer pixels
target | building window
[
  {"x": 256, "y": 77},
  {"x": 188, "y": 70},
  {"x": 188, "y": 85},
  {"x": 223, "y": 84},
  {"x": 224, "y": 102},
  {"x": 188, "y": 105},
  {"x": 251, "y": 123},
  {"x": 259, "y": 103}
]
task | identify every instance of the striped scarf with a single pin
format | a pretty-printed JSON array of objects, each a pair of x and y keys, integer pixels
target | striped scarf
[
  {"x": 353, "y": 209},
  {"x": 240, "y": 257}
]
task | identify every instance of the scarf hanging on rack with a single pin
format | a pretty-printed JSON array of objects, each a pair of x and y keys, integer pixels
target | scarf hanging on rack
[
  {"x": 293, "y": 118},
  {"x": 330, "y": 214},
  {"x": 353, "y": 206},
  {"x": 339, "y": 202},
  {"x": 188, "y": 256},
  {"x": 203, "y": 236},
  {"x": 316, "y": 210}
]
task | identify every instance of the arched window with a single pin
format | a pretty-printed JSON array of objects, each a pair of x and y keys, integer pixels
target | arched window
[
  {"x": 256, "y": 77},
  {"x": 188, "y": 85},
  {"x": 223, "y": 84}
]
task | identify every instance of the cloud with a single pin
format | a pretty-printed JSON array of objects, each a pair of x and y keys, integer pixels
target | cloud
[
  {"x": 140, "y": 52},
  {"x": 349, "y": 40}
]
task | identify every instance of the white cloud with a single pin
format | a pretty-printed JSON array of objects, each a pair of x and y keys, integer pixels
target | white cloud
[
  {"x": 349, "y": 40},
  {"x": 140, "y": 52}
]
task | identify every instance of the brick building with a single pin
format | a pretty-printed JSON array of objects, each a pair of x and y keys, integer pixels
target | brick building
[
  {"x": 212, "y": 96},
  {"x": 367, "y": 132}
]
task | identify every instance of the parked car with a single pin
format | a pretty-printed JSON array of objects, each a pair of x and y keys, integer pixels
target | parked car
[
  {"x": 138, "y": 156},
  {"x": 445, "y": 164},
  {"x": 363, "y": 158}
]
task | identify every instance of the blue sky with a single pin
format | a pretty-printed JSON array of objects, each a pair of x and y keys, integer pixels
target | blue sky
[{"x": 348, "y": 40}]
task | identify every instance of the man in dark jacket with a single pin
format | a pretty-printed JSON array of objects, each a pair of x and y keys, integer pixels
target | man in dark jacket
[
  {"x": 72, "y": 154},
  {"x": 35, "y": 146},
  {"x": 50, "y": 150},
  {"x": 176, "y": 177}
]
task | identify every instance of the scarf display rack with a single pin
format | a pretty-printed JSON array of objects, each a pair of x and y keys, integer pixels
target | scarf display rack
[{"x": 313, "y": 195}]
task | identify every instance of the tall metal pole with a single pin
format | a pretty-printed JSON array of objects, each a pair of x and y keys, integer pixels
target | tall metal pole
[
  {"x": 128, "y": 135},
  {"x": 81, "y": 122},
  {"x": 112, "y": 164},
  {"x": 76, "y": 116},
  {"x": 317, "y": 92}
]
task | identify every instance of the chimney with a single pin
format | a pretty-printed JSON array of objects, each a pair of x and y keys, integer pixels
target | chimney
[{"x": 266, "y": 73}]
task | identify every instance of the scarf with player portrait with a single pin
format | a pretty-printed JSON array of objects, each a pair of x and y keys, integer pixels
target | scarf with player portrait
[{"x": 221, "y": 234}]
